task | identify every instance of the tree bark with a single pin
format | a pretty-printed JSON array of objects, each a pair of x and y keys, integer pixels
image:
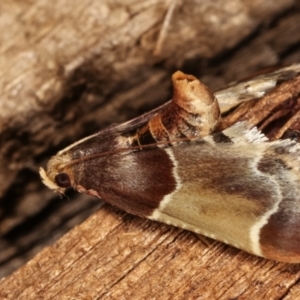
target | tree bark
[{"x": 68, "y": 69}]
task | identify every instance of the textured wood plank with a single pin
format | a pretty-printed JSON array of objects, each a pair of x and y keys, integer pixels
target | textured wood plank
[{"x": 113, "y": 255}]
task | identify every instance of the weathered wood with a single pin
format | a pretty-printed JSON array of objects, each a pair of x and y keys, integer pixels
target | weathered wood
[
  {"x": 69, "y": 68},
  {"x": 116, "y": 256}
]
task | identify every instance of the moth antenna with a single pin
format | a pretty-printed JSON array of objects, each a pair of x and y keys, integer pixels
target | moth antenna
[{"x": 120, "y": 150}]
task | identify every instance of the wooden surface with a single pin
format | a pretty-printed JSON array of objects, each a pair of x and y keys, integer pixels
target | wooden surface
[
  {"x": 69, "y": 68},
  {"x": 116, "y": 256}
]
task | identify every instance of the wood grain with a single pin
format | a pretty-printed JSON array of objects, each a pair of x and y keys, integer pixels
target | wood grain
[{"x": 116, "y": 256}]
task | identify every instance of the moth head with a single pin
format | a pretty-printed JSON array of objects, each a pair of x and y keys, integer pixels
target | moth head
[{"x": 58, "y": 176}]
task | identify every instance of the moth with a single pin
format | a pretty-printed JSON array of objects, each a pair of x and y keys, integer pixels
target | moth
[{"x": 201, "y": 164}]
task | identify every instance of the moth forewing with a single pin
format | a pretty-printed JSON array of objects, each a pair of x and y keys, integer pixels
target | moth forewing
[
  {"x": 237, "y": 197},
  {"x": 254, "y": 88},
  {"x": 171, "y": 165}
]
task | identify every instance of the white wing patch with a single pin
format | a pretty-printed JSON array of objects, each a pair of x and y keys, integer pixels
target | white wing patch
[{"x": 242, "y": 132}]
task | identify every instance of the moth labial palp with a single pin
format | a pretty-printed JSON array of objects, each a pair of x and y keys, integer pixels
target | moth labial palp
[{"x": 173, "y": 166}]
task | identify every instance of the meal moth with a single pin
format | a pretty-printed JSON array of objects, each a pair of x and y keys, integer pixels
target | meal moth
[{"x": 224, "y": 164}]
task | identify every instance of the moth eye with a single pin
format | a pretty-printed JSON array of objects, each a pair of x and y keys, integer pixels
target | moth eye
[{"x": 62, "y": 180}]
